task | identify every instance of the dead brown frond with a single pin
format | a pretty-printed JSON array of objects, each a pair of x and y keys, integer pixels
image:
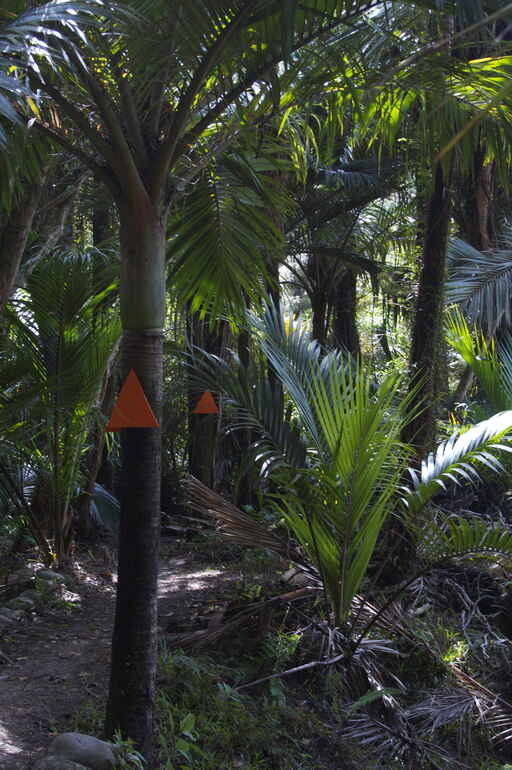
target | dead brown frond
[
  {"x": 389, "y": 618},
  {"x": 494, "y": 710},
  {"x": 224, "y": 625},
  {"x": 241, "y": 528},
  {"x": 394, "y": 737}
]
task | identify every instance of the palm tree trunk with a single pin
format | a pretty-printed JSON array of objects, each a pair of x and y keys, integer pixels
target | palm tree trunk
[
  {"x": 134, "y": 644},
  {"x": 245, "y": 491},
  {"x": 474, "y": 193},
  {"x": 345, "y": 311},
  {"x": 203, "y": 428},
  {"x": 427, "y": 324},
  {"x": 318, "y": 317}
]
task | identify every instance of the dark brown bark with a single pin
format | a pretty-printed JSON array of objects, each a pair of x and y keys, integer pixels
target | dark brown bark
[
  {"x": 134, "y": 643},
  {"x": 473, "y": 216},
  {"x": 473, "y": 201},
  {"x": 427, "y": 324},
  {"x": 318, "y": 295},
  {"x": 13, "y": 239},
  {"x": 345, "y": 312}
]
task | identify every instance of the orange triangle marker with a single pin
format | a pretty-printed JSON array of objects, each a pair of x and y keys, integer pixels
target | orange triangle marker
[
  {"x": 132, "y": 409},
  {"x": 206, "y": 404}
]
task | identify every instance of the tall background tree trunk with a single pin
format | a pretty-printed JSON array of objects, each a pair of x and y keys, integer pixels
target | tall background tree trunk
[
  {"x": 345, "y": 309},
  {"x": 427, "y": 324},
  {"x": 472, "y": 212},
  {"x": 203, "y": 428},
  {"x": 14, "y": 236}
]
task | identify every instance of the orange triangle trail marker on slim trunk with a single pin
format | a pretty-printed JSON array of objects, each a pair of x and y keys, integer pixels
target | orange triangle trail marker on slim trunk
[
  {"x": 132, "y": 409},
  {"x": 206, "y": 404}
]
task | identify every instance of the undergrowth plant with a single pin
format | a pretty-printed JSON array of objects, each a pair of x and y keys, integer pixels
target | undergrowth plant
[
  {"x": 61, "y": 334},
  {"x": 332, "y": 448}
]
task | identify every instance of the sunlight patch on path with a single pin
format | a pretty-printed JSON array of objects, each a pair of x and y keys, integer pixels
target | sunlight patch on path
[
  {"x": 169, "y": 581},
  {"x": 7, "y": 747}
]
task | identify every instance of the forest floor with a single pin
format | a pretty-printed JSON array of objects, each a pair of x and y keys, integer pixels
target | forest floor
[{"x": 56, "y": 662}]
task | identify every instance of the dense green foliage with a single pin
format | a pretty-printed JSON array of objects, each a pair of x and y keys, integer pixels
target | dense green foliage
[{"x": 304, "y": 208}]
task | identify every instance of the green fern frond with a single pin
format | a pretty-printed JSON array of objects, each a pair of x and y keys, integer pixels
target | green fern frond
[
  {"x": 459, "y": 537},
  {"x": 481, "y": 356},
  {"x": 459, "y": 458},
  {"x": 480, "y": 283}
]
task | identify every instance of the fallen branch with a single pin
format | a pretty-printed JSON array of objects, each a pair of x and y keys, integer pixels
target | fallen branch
[{"x": 281, "y": 674}]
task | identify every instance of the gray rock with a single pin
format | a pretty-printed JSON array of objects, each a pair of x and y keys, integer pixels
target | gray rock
[
  {"x": 21, "y": 575},
  {"x": 295, "y": 577},
  {"x": 4, "y": 625},
  {"x": 31, "y": 594},
  {"x": 50, "y": 576},
  {"x": 11, "y": 615},
  {"x": 84, "y": 749},
  {"x": 54, "y": 762},
  {"x": 22, "y": 603},
  {"x": 46, "y": 587}
]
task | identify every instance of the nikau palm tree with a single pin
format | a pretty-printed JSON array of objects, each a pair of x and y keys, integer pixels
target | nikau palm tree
[
  {"x": 145, "y": 98},
  {"x": 144, "y": 103}
]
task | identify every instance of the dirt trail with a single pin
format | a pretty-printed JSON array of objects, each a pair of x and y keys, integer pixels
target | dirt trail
[{"x": 57, "y": 661}]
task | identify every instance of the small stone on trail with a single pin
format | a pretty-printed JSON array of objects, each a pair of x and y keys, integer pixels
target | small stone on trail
[
  {"x": 295, "y": 577},
  {"x": 50, "y": 575},
  {"x": 84, "y": 749},
  {"x": 11, "y": 615},
  {"x": 22, "y": 603},
  {"x": 34, "y": 596},
  {"x": 54, "y": 762}
]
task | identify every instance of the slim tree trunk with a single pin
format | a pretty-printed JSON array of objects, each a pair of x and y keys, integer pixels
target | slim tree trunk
[
  {"x": 319, "y": 316},
  {"x": 203, "y": 428},
  {"x": 134, "y": 644},
  {"x": 345, "y": 327},
  {"x": 245, "y": 491},
  {"x": 474, "y": 193},
  {"x": 13, "y": 239},
  {"x": 427, "y": 325}
]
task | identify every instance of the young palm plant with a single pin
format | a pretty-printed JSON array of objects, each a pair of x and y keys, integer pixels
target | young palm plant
[
  {"x": 491, "y": 363},
  {"x": 61, "y": 335},
  {"x": 338, "y": 463}
]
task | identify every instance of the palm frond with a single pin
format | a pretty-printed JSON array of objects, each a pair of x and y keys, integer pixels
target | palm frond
[
  {"x": 256, "y": 403},
  {"x": 38, "y": 34},
  {"x": 458, "y": 459},
  {"x": 495, "y": 712},
  {"x": 488, "y": 364},
  {"x": 220, "y": 235},
  {"x": 366, "y": 460},
  {"x": 480, "y": 283},
  {"x": 459, "y": 537},
  {"x": 61, "y": 337},
  {"x": 295, "y": 356}
]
